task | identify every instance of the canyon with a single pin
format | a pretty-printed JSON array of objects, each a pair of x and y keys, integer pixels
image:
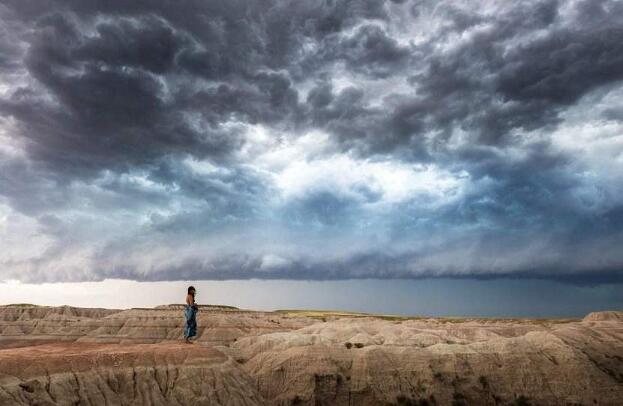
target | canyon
[{"x": 78, "y": 356}]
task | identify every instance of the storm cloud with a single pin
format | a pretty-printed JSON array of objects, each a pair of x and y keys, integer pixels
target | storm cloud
[{"x": 311, "y": 140}]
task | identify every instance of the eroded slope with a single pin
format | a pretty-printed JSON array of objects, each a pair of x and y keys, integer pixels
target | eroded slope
[{"x": 283, "y": 358}]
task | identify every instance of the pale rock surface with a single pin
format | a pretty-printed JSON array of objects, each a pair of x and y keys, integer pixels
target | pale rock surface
[{"x": 63, "y": 356}]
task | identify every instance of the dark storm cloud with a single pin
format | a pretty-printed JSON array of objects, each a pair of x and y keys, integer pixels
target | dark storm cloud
[
  {"x": 107, "y": 110},
  {"x": 491, "y": 83},
  {"x": 369, "y": 51},
  {"x": 124, "y": 83},
  {"x": 123, "y": 80},
  {"x": 110, "y": 102}
]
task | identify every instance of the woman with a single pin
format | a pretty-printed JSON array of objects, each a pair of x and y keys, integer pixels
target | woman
[{"x": 190, "y": 312}]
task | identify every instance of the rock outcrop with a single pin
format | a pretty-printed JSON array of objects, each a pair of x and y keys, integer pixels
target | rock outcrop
[
  {"x": 140, "y": 374},
  {"x": 604, "y": 316},
  {"x": 27, "y": 325},
  {"x": 94, "y": 356}
]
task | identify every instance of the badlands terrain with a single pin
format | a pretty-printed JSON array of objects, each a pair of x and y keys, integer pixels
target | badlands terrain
[{"x": 75, "y": 356}]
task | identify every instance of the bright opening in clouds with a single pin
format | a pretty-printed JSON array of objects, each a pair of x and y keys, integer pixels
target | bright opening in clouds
[{"x": 311, "y": 140}]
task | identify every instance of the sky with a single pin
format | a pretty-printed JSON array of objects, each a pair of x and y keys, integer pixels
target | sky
[
  {"x": 433, "y": 297},
  {"x": 312, "y": 141}
]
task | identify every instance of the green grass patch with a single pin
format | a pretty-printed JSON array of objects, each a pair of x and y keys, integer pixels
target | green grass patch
[{"x": 324, "y": 314}]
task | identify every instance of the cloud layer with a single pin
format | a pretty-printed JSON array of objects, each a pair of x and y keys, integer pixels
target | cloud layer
[{"x": 317, "y": 139}]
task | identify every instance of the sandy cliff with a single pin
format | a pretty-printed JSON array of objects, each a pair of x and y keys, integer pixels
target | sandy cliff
[{"x": 58, "y": 356}]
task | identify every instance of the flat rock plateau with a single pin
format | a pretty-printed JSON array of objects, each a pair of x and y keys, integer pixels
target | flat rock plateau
[{"x": 75, "y": 356}]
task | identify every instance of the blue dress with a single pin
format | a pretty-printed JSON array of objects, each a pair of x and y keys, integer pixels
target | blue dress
[{"x": 190, "y": 328}]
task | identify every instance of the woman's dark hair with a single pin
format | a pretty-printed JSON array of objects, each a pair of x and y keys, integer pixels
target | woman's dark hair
[{"x": 191, "y": 289}]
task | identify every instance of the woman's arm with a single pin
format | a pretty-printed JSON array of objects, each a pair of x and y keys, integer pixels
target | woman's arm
[{"x": 190, "y": 300}]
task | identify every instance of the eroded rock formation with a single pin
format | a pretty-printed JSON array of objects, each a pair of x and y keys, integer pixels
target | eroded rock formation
[{"x": 66, "y": 356}]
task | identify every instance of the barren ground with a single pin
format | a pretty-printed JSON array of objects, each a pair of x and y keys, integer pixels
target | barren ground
[{"x": 72, "y": 356}]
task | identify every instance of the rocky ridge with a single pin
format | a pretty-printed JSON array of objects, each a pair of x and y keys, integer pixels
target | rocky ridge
[{"x": 64, "y": 355}]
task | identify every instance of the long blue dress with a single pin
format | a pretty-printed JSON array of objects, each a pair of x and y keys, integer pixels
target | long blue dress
[{"x": 190, "y": 328}]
